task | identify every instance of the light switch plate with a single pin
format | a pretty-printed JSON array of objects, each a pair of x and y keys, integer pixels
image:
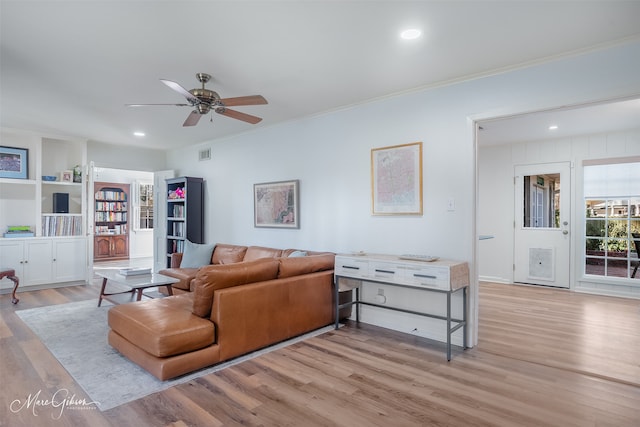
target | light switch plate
[{"x": 451, "y": 204}]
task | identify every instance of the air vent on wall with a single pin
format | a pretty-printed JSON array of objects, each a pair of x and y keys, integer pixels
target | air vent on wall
[{"x": 204, "y": 154}]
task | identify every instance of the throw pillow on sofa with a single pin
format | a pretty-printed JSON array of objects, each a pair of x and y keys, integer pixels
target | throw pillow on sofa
[
  {"x": 196, "y": 255},
  {"x": 297, "y": 254},
  {"x": 220, "y": 276}
]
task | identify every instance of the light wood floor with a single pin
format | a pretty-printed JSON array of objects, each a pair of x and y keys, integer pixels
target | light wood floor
[{"x": 546, "y": 358}]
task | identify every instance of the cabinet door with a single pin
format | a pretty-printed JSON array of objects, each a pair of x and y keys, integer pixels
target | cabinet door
[
  {"x": 12, "y": 256},
  {"x": 102, "y": 247},
  {"x": 69, "y": 260},
  {"x": 38, "y": 267},
  {"x": 120, "y": 246}
]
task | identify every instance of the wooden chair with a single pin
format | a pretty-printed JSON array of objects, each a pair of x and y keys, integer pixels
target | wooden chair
[
  {"x": 10, "y": 274},
  {"x": 636, "y": 243}
]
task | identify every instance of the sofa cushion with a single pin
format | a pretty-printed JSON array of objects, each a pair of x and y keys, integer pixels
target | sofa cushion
[
  {"x": 295, "y": 266},
  {"x": 162, "y": 327},
  {"x": 257, "y": 252},
  {"x": 185, "y": 275},
  {"x": 196, "y": 255},
  {"x": 212, "y": 277},
  {"x": 227, "y": 254}
]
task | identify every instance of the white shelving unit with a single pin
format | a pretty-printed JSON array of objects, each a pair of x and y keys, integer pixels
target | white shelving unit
[{"x": 55, "y": 254}]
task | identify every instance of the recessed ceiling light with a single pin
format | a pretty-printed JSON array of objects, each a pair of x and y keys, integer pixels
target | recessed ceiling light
[
  {"x": 553, "y": 127},
  {"x": 138, "y": 133},
  {"x": 410, "y": 34}
]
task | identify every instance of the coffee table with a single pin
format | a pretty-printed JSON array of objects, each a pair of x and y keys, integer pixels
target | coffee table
[{"x": 135, "y": 283}]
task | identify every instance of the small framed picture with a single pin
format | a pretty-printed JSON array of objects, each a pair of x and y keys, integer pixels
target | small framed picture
[
  {"x": 66, "y": 176},
  {"x": 14, "y": 162}
]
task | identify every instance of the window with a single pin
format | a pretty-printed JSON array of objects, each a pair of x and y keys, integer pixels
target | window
[
  {"x": 612, "y": 215},
  {"x": 144, "y": 206},
  {"x": 542, "y": 201}
]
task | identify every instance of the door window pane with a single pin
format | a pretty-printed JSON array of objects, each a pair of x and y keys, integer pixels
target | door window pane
[{"x": 541, "y": 201}]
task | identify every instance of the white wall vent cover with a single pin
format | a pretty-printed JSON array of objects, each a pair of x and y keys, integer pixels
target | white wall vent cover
[
  {"x": 541, "y": 264},
  {"x": 204, "y": 154}
]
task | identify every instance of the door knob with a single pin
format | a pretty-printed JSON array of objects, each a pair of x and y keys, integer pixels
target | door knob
[{"x": 565, "y": 232}]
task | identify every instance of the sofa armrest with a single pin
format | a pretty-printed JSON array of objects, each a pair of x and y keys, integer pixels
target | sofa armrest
[{"x": 176, "y": 259}]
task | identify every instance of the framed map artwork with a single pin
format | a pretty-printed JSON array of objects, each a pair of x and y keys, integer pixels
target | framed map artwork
[
  {"x": 396, "y": 180},
  {"x": 276, "y": 204}
]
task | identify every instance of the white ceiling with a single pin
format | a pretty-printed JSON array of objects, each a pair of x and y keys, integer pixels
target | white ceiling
[
  {"x": 586, "y": 120},
  {"x": 69, "y": 68}
]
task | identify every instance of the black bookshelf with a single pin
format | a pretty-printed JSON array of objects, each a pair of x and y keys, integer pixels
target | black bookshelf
[{"x": 185, "y": 213}]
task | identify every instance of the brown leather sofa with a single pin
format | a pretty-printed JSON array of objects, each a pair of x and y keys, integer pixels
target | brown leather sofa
[
  {"x": 223, "y": 254},
  {"x": 237, "y": 305}
]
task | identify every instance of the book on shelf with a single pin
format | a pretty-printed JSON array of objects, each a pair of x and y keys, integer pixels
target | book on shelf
[
  {"x": 110, "y": 195},
  {"x": 177, "y": 246},
  {"x": 19, "y": 231},
  {"x": 178, "y": 211},
  {"x": 14, "y": 234},
  {"x": 61, "y": 225},
  {"x": 178, "y": 229}
]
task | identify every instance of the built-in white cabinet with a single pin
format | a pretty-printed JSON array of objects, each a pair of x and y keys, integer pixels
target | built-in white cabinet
[
  {"x": 30, "y": 258},
  {"x": 39, "y": 261},
  {"x": 69, "y": 257}
]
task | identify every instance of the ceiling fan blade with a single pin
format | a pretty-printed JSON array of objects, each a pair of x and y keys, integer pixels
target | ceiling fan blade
[
  {"x": 152, "y": 105},
  {"x": 244, "y": 100},
  {"x": 182, "y": 91},
  {"x": 238, "y": 115},
  {"x": 192, "y": 119}
]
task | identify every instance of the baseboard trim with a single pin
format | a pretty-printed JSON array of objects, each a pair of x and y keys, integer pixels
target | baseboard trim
[{"x": 43, "y": 286}]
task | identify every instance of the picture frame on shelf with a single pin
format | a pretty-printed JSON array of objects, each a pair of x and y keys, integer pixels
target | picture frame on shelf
[
  {"x": 66, "y": 176},
  {"x": 396, "y": 180},
  {"x": 276, "y": 204},
  {"x": 14, "y": 162}
]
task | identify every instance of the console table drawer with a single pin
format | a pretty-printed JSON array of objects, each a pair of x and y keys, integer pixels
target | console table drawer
[
  {"x": 431, "y": 277},
  {"x": 385, "y": 271},
  {"x": 351, "y": 267}
]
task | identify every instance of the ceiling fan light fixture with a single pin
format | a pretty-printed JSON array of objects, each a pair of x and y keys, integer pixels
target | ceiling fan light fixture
[{"x": 203, "y": 108}]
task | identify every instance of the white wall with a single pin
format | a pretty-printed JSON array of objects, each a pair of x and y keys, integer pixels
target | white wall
[
  {"x": 125, "y": 157},
  {"x": 330, "y": 155},
  {"x": 496, "y": 201}
]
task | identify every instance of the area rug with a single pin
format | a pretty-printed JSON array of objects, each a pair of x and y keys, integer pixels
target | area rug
[{"x": 76, "y": 334}]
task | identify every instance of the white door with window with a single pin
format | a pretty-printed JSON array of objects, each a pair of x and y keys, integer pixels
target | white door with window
[{"x": 542, "y": 243}]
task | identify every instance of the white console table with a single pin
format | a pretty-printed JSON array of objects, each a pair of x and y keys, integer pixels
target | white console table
[{"x": 444, "y": 276}]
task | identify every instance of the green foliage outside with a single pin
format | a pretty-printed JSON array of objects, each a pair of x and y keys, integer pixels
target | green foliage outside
[{"x": 612, "y": 235}]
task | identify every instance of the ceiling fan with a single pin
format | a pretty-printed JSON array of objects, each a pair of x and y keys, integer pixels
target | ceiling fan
[{"x": 205, "y": 101}]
